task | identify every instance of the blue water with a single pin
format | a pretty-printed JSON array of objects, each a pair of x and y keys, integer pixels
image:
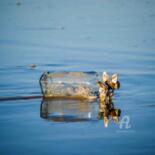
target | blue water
[{"x": 113, "y": 36}]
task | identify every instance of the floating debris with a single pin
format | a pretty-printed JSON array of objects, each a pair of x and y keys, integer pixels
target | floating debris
[
  {"x": 32, "y": 66},
  {"x": 18, "y": 3},
  {"x": 81, "y": 86}
]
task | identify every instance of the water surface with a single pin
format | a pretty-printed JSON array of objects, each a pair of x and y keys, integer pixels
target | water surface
[{"x": 113, "y": 36}]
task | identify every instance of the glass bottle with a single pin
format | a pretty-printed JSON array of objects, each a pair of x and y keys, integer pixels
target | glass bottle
[{"x": 75, "y": 85}]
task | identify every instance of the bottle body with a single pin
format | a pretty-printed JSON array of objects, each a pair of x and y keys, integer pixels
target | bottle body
[{"x": 69, "y": 84}]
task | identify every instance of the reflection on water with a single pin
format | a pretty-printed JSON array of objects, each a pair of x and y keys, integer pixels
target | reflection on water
[
  {"x": 64, "y": 110},
  {"x": 67, "y": 110},
  {"x": 108, "y": 110}
]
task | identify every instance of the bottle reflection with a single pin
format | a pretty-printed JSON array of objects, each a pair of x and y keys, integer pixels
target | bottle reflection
[
  {"x": 106, "y": 111},
  {"x": 65, "y": 110},
  {"x": 60, "y": 110}
]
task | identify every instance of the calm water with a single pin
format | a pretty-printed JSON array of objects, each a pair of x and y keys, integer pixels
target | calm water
[{"x": 116, "y": 36}]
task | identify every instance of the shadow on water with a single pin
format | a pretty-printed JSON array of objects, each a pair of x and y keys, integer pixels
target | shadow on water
[{"x": 68, "y": 110}]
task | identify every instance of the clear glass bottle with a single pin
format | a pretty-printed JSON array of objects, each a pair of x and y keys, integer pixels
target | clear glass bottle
[{"x": 69, "y": 85}]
